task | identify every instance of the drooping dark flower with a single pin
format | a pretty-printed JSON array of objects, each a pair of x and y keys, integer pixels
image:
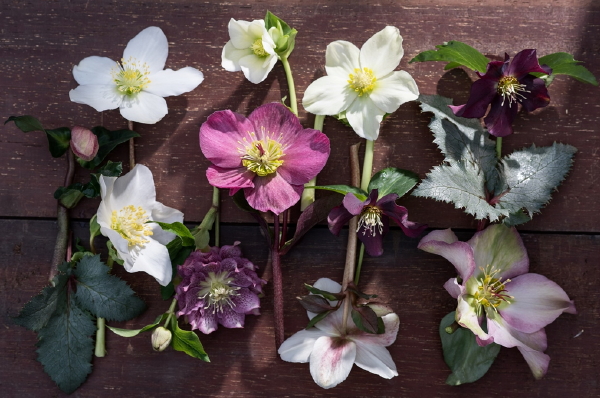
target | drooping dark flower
[
  {"x": 374, "y": 219},
  {"x": 218, "y": 287},
  {"x": 505, "y": 85}
]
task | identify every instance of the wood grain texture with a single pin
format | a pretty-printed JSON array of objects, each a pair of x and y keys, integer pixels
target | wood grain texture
[{"x": 244, "y": 362}]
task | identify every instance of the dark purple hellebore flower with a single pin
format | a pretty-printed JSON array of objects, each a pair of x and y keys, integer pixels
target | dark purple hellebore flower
[
  {"x": 504, "y": 85},
  {"x": 374, "y": 219}
]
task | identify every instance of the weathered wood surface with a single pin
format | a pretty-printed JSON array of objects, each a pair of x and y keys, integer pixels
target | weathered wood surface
[{"x": 40, "y": 41}]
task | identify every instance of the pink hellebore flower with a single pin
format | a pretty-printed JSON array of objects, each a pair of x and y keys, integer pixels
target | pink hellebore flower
[
  {"x": 84, "y": 143},
  {"x": 332, "y": 351},
  {"x": 495, "y": 283},
  {"x": 269, "y": 155},
  {"x": 218, "y": 287}
]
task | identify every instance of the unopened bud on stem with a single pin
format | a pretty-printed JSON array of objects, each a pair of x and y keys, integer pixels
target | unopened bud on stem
[
  {"x": 84, "y": 143},
  {"x": 161, "y": 338}
]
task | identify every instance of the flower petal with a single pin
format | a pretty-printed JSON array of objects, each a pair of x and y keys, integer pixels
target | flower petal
[
  {"x": 445, "y": 244},
  {"x": 536, "y": 93},
  {"x": 274, "y": 119},
  {"x": 328, "y": 95},
  {"x": 372, "y": 237},
  {"x": 382, "y": 52},
  {"x": 328, "y": 285},
  {"x": 223, "y": 133},
  {"x": 483, "y": 91},
  {"x": 230, "y": 178},
  {"x": 99, "y": 97},
  {"x": 164, "y": 214},
  {"x": 453, "y": 288},
  {"x": 467, "y": 317},
  {"x": 134, "y": 188},
  {"x": 154, "y": 259},
  {"x": 299, "y": 346},
  {"x": 245, "y": 301},
  {"x": 305, "y": 157},
  {"x": 94, "y": 70},
  {"x": 391, "y": 323},
  {"x": 524, "y": 63},
  {"x": 337, "y": 218},
  {"x": 538, "y": 361},
  {"x": 507, "y": 336},
  {"x": 230, "y": 57},
  {"x": 375, "y": 359},
  {"x": 537, "y": 302},
  {"x": 331, "y": 360},
  {"x": 144, "y": 108},
  {"x": 206, "y": 323},
  {"x": 354, "y": 205},
  {"x": 169, "y": 82},
  {"x": 272, "y": 193},
  {"x": 365, "y": 117},
  {"x": 394, "y": 90},
  {"x": 256, "y": 69},
  {"x": 239, "y": 35},
  {"x": 500, "y": 118},
  {"x": 151, "y": 47},
  {"x": 400, "y": 216},
  {"x": 500, "y": 247},
  {"x": 341, "y": 59},
  {"x": 230, "y": 318}
]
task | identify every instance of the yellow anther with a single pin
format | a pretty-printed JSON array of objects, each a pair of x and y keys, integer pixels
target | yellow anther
[
  {"x": 131, "y": 76},
  {"x": 263, "y": 157},
  {"x": 362, "y": 81},
  {"x": 130, "y": 223}
]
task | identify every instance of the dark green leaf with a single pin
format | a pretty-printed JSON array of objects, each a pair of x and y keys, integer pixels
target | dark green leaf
[
  {"x": 467, "y": 360},
  {"x": 177, "y": 228},
  {"x": 26, "y": 123},
  {"x": 178, "y": 254},
  {"x": 112, "y": 253},
  {"x": 187, "y": 341},
  {"x": 456, "y": 53},
  {"x": 132, "y": 333},
  {"x": 393, "y": 180},
  {"x": 111, "y": 169},
  {"x": 107, "y": 141},
  {"x": 201, "y": 232},
  {"x": 520, "y": 217},
  {"x": 317, "y": 318},
  {"x": 69, "y": 196},
  {"x": 361, "y": 294},
  {"x": 314, "y": 303},
  {"x": 365, "y": 319},
  {"x": 94, "y": 227},
  {"x": 328, "y": 295},
  {"x": 344, "y": 189},
  {"x": 565, "y": 64},
  {"x": 103, "y": 294},
  {"x": 59, "y": 141},
  {"x": 283, "y": 36}
]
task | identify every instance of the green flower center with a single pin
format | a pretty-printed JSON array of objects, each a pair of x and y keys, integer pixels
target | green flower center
[
  {"x": 362, "y": 81},
  {"x": 217, "y": 291},
  {"x": 262, "y": 157},
  {"x": 370, "y": 219},
  {"x": 130, "y": 223},
  {"x": 258, "y": 48},
  {"x": 491, "y": 291},
  {"x": 131, "y": 76},
  {"x": 510, "y": 88}
]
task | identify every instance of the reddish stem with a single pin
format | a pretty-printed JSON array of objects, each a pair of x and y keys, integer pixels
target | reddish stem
[{"x": 277, "y": 285}]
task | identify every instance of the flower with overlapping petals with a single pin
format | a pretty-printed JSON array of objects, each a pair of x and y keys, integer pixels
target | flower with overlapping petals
[
  {"x": 374, "y": 219},
  {"x": 128, "y": 203},
  {"x": 137, "y": 84},
  {"x": 495, "y": 283},
  {"x": 362, "y": 82},
  {"x": 332, "y": 352},
  {"x": 218, "y": 287},
  {"x": 505, "y": 85},
  {"x": 269, "y": 155}
]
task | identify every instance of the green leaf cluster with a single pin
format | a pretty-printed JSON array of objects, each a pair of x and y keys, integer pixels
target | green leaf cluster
[
  {"x": 71, "y": 195},
  {"x": 283, "y": 36},
  {"x": 63, "y": 315},
  {"x": 58, "y": 139},
  {"x": 510, "y": 189},
  {"x": 564, "y": 64},
  {"x": 456, "y": 54}
]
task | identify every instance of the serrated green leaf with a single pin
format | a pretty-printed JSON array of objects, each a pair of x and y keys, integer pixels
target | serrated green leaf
[
  {"x": 393, "y": 180},
  {"x": 467, "y": 360},
  {"x": 517, "y": 218},
  {"x": 531, "y": 175},
  {"x": 65, "y": 346},
  {"x": 456, "y": 53},
  {"x": 317, "y": 318},
  {"x": 59, "y": 140},
  {"x": 107, "y": 141},
  {"x": 343, "y": 189},
  {"x": 180, "y": 230},
  {"x": 26, "y": 123},
  {"x": 187, "y": 341},
  {"x": 105, "y": 295},
  {"x": 135, "y": 332},
  {"x": 564, "y": 64}
]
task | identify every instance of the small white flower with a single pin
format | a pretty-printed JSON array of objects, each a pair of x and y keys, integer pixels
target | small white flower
[
  {"x": 251, "y": 50},
  {"x": 128, "y": 202},
  {"x": 136, "y": 84},
  {"x": 362, "y": 82}
]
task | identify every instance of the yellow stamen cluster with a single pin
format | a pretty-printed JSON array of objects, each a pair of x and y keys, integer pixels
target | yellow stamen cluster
[
  {"x": 509, "y": 87},
  {"x": 258, "y": 49},
  {"x": 130, "y": 223},
  {"x": 362, "y": 81},
  {"x": 370, "y": 219},
  {"x": 217, "y": 292},
  {"x": 491, "y": 291},
  {"x": 131, "y": 76},
  {"x": 262, "y": 157}
]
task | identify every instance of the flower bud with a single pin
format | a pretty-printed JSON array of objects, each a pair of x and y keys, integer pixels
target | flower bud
[
  {"x": 161, "y": 338},
  {"x": 84, "y": 143}
]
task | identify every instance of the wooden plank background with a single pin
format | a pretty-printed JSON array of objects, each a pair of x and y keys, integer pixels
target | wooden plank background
[{"x": 40, "y": 42}]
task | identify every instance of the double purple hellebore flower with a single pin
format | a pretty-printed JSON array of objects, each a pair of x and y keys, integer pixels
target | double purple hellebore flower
[
  {"x": 374, "y": 219},
  {"x": 269, "y": 155},
  {"x": 495, "y": 284},
  {"x": 504, "y": 86}
]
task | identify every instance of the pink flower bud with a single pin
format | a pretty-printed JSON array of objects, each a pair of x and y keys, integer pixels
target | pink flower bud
[{"x": 84, "y": 143}]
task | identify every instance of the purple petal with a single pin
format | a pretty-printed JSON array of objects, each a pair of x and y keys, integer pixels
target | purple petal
[
  {"x": 305, "y": 157},
  {"x": 373, "y": 240},
  {"x": 538, "y": 96},
  {"x": 230, "y": 319},
  {"x": 483, "y": 92},
  {"x": 245, "y": 302},
  {"x": 400, "y": 216},
  {"x": 274, "y": 121},
  {"x": 272, "y": 193},
  {"x": 500, "y": 118},
  {"x": 337, "y": 218},
  {"x": 445, "y": 244},
  {"x": 331, "y": 360},
  {"x": 206, "y": 324},
  {"x": 524, "y": 63},
  {"x": 220, "y": 136},
  {"x": 538, "y": 361},
  {"x": 507, "y": 336},
  {"x": 229, "y": 178},
  {"x": 355, "y": 205},
  {"x": 495, "y": 69},
  {"x": 537, "y": 302},
  {"x": 453, "y": 288}
]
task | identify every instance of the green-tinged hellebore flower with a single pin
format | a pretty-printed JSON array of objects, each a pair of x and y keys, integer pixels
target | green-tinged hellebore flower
[
  {"x": 161, "y": 338},
  {"x": 495, "y": 285},
  {"x": 84, "y": 143},
  {"x": 128, "y": 203},
  {"x": 362, "y": 82}
]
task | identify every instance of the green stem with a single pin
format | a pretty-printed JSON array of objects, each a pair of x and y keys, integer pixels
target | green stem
[
  {"x": 308, "y": 195},
  {"x": 100, "y": 334},
  {"x": 367, "y": 166},
  {"x": 291, "y": 86},
  {"x": 361, "y": 255},
  {"x": 216, "y": 205},
  {"x": 499, "y": 147},
  {"x": 171, "y": 311}
]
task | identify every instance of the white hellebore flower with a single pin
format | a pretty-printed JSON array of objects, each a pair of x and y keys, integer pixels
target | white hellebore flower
[
  {"x": 362, "y": 82},
  {"x": 251, "y": 50},
  {"x": 136, "y": 84},
  {"x": 128, "y": 202},
  {"x": 331, "y": 353}
]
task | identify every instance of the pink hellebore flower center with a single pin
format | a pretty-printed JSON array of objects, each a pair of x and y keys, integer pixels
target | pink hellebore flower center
[
  {"x": 495, "y": 283},
  {"x": 269, "y": 155}
]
